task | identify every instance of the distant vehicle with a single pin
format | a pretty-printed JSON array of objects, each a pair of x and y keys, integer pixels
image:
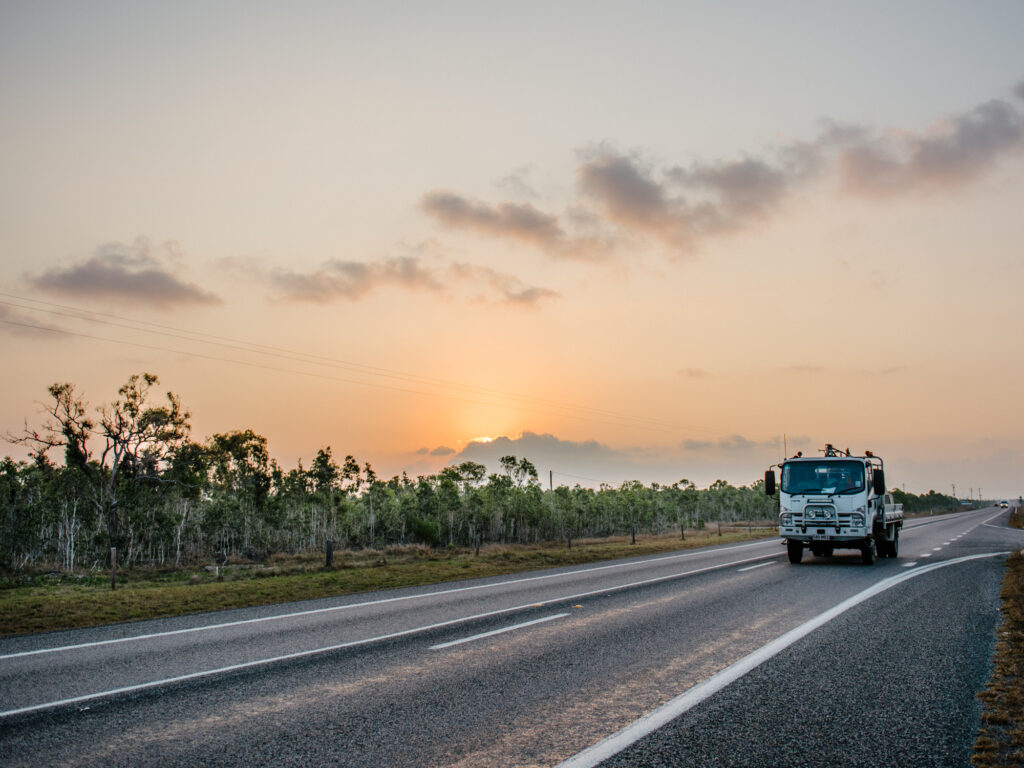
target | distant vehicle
[
  {"x": 837, "y": 501},
  {"x": 1004, "y": 504}
]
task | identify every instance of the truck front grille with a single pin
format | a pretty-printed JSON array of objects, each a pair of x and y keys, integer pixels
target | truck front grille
[{"x": 821, "y": 514}]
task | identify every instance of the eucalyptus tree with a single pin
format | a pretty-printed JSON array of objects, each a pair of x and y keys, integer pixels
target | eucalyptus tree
[
  {"x": 239, "y": 483},
  {"x": 325, "y": 476},
  {"x": 635, "y": 499},
  {"x": 684, "y": 499},
  {"x": 137, "y": 439}
]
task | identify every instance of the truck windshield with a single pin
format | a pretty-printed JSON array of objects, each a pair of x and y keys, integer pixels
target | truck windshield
[{"x": 822, "y": 477}]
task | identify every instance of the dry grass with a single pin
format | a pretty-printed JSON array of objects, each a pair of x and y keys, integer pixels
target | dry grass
[
  {"x": 63, "y": 601},
  {"x": 1000, "y": 739}
]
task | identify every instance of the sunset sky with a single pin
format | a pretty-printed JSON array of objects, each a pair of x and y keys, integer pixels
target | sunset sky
[{"x": 626, "y": 241}]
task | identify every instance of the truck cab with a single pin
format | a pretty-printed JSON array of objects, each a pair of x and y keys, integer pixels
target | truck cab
[{"x": 836, "y": 501}]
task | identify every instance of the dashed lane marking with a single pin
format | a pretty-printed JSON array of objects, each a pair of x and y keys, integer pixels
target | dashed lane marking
[
  {"x": 493, "y": 632},
  {"x": 752, "y": 567}
]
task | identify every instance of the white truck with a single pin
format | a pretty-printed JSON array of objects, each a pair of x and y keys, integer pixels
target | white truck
[{"x": 836, "y": 501}]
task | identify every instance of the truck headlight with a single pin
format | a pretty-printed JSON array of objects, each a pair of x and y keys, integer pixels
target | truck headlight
[
  {"x": 857, "y": 520},
  {"x": 787, "y": 519}
]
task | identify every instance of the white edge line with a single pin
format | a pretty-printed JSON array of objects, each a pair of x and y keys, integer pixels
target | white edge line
[
  {"x": 366, "y": 641},
  {"x": 493, "y": 632},
  {"x": 363, "y": 604},
  {"x": 664, "y": 714},
  {"x": 752, "y": 567}
]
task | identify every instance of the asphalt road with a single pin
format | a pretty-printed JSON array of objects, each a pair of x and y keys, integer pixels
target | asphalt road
[{"x": 725, "y": 656}]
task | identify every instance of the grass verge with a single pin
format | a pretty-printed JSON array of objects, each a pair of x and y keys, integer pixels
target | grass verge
[
  {"x": 62, "y": 601},
  {"x": 1000, "y": 739}
]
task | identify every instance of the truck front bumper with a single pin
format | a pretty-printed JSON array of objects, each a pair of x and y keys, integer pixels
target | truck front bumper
[{"x": 810, "y": 534}]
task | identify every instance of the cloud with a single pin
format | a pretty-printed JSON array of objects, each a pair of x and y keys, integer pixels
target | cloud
[
  {"x": 729, "y": 445},
  {"x": 954, "y": 152},
  {"x": 804, "y": 369},
  {"x": 546, "y": 452},
  {"x": 742, "y": 190},
  {"x": 1018, "y": 90},
  {"x": 508, "y": 288},
  {"x": 623, "y": 195},
  {"x": 693, "y": 373},
  {"x": 589, "y": 463},
  {"x": 140, "y": 273},
  {"x": 626, "y": 190},
  {"x": 682, "y": 205},
  {"x": 442, "y": 450},
  {"x": 353, "y": 280},
  {"x": 517, "y": 185},
  {"x": 517, "y": 221},
  {"x": 520, "y": 222}
]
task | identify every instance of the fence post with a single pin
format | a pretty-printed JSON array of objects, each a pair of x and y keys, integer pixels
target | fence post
[{"x": 330, "y": 553}]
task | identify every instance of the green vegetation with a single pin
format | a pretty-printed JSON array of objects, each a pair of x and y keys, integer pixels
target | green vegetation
[
  {"x": 926, "y": 502},
  {"x": 134, "y": 485},
  {"x": 49, "y": 601}
]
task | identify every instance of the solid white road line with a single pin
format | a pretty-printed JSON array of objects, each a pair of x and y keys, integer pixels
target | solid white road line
[
  {"x": 350, "y": 606},
  {"x": 752, "y": 567},
  {"x": 652, "y": 721},
  {"x": 369, "y": 640},
  {"x": 496, "y": 632}
]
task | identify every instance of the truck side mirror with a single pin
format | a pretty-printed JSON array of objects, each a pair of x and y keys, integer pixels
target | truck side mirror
[
  {"x": 878, "y": 481},
  {"x": 769, "y": 482}
]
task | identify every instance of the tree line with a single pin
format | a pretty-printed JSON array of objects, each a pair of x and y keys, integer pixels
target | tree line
[{"x": 134, "y": 488}]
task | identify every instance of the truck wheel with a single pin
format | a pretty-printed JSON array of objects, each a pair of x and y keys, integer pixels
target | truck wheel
[
  {"x": 894, "y": 545},
  {"x": 795, "y": 550},
  {"x": 868, "y": 552}
]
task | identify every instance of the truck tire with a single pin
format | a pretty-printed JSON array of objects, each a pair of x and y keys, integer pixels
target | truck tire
[
  {"x": 795, "y": 550},
  {"x": 889, "y": 547},
  {"x": 882, "y": 547},
  {"x": 868, "y": 552}
]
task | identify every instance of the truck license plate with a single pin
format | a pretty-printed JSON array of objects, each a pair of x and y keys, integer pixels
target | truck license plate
[{"x": 820, "y": 537}]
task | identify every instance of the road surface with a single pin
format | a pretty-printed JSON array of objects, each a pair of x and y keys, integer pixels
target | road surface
[{"x": 721, "y": 656}]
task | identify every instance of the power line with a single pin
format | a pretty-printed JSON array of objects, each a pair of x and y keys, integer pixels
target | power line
[
  {"x": 325, "y": 377},
  {"x": 302, "y": 357},
  {"x": 522, "y": 402}
]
